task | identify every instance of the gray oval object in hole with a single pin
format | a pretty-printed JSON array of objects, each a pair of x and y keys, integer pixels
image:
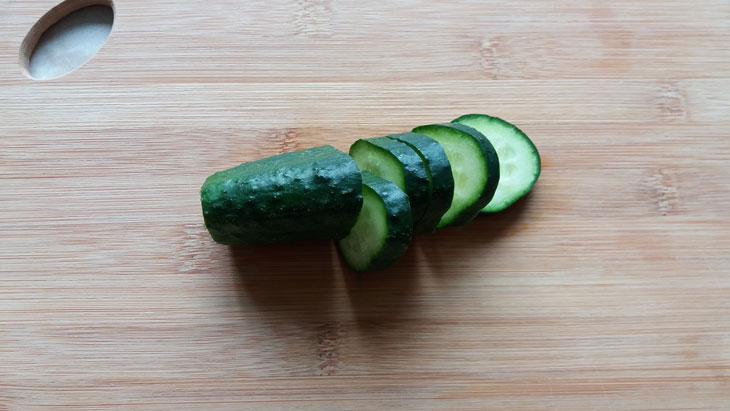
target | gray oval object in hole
[{"x": 70, "y": 42}]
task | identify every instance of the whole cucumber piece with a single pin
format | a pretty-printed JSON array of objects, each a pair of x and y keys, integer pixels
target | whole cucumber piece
[{"x": 307, "y": 194}]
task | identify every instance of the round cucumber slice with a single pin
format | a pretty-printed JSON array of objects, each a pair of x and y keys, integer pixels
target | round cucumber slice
[
  {"x": 519, "y": 160},
  {"x": 474, "y": 165},
  {"x": 397, "y": 162},
  {"x": 383, "y": 229},
  {"x": 440, "y": 178}
]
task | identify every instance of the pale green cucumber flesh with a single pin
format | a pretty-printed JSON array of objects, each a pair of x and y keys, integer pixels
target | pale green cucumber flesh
[{"x": 519, "y": 160}]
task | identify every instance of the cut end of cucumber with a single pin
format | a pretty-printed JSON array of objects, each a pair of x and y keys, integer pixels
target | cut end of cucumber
[{"x": 519, "y": 160}]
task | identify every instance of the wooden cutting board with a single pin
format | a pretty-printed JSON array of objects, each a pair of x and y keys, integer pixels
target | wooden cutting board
[{"x": 608, "y": 287}]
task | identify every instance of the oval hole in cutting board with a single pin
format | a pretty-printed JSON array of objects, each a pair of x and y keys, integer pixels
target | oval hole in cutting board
[{"x": 66, "y": 37}]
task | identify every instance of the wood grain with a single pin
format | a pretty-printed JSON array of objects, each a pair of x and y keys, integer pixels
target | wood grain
[{"x": 608, "y": 287}]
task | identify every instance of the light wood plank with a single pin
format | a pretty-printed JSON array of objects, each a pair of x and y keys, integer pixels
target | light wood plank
[{"x": 606, "y": 288}]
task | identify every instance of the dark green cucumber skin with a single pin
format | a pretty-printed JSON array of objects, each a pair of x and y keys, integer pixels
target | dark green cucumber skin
[
  {"x": 507, "y": 124},
  {"x": 438, "y": 168},
  {"x": 400, "y": 222},
  {"x": 492, "y": 163},
  {"x": 308, "y": 194},
  {"x": 414, "y": 170}
]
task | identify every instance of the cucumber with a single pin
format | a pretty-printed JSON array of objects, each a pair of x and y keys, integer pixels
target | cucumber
[
  {"x": 308, "y": 194},
  {"x": 383, "y": 229},
  {"x": 440, "y": 178},
  {"x": 519, "y": 161},
  {"x": 397, "y": 162},
  {"x": 474, "y": 165}
]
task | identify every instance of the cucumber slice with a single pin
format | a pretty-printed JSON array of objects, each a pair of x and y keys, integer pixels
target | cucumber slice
[
  {"x": 474, "y": 165},
  {"x": 383, "y": 229},
  {"x": 397, "y": 162},
  {"x": 308, "y": 194},
  {"x": 440, "y": 178},
  {"x": 519, "y": 161}
]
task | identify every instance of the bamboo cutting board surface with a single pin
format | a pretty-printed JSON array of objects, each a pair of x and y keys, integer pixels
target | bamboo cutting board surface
[{"x": 608, "y": 287}]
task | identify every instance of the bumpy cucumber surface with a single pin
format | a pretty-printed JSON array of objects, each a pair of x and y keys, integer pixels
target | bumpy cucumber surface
[
  {"x": 519, "y": 161},
  {"x": 474, "y": 165},
  {"x": 399, "y": 163},
  {"x": 383, "y": 229},
  {"x": 440, "y": 177},
  {"x": 308, "y": 194}
]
